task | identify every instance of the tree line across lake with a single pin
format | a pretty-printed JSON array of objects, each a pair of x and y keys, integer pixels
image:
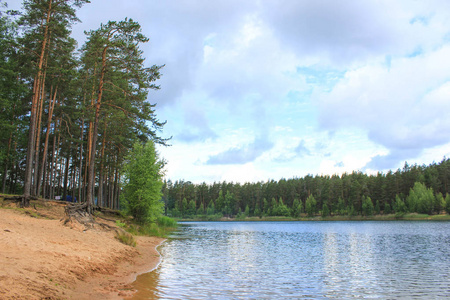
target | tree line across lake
[{"x": 421, "y": 189}]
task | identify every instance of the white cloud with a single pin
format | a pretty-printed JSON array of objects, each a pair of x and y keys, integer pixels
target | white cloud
[
  {"x": 250, "y": 81},
  {"x": 402, "y": 107}
]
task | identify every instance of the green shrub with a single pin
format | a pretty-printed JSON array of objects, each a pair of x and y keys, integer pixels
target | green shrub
[{"x": 164, "y": 221}]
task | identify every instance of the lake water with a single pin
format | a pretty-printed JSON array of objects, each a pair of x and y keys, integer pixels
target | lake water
[{"x": 302, "y": 260}]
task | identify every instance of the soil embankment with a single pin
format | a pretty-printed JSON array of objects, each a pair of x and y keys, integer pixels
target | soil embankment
[{"x": 41, "y": 258}]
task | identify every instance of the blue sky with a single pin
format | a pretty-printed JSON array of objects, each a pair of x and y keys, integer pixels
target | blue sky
[{"x": 258, "y": 90}]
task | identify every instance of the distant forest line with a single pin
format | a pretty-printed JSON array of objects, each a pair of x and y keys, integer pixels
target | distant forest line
[{"x": 421, "y": 189}]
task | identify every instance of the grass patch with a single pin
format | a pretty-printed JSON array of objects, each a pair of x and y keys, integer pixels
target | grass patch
[
  {"x": 440, "y": 217},
  {"x": 155, "y": 229},
  {"x": 120, "y": 224},
  {"x": 416, "y": 216},
  {"x": 161, "y": 228},
  {"x": 126, "y": 238},
  {"x": 167, "y": 222}
]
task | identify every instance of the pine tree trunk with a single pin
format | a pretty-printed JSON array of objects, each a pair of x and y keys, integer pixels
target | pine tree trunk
[
  {"x": 53, "y": 166},
  {"x": 58, "y": 169},
  {"x": 90, "y": 195},
  {"x": 47, "y": 137},
  {"x": 80, "y": 168},
  {"x": 6, "y": 163},
  {"x": 66, "y": 177},
  {"x": 118, "y": 191},
  {"x": 45, "y": 182},
  {"x": 34, "y": 103},
  {"x": 38, "y": 136},
  {"x": 116, "y": 196},
  {"x": 73, "y": 182},
  {"x": 102, "y": 158},
  {"x": 89, "y": 142}
]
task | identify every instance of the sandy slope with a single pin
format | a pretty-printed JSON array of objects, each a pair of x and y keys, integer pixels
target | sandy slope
[{"x": 44, "y": 259}]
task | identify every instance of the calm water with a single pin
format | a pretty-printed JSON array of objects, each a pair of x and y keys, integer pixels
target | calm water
[{"x": 296, "y": 260}]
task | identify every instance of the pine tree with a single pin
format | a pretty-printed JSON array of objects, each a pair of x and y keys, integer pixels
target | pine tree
[
  {"x": 114, "y": 60},
  {"x": 310, "y": 206},
  {"x": 367, "y": 206},
  {"x": 12, "y": 92},
  {"x": 45, "y": 22}
]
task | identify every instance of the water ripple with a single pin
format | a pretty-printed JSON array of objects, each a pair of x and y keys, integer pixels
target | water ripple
[{"x": 312, "y": 260}]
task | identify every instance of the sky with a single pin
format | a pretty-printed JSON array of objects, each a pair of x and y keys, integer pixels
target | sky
[{"x": 260, "y": 90}]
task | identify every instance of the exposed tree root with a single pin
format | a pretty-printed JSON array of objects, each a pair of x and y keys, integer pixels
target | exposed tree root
[
  {"x": 21, "y": 201},
  {"x": 77, "y": 214}
]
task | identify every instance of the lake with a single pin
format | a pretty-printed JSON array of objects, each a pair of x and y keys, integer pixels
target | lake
[{"x": 298, "y": 260}]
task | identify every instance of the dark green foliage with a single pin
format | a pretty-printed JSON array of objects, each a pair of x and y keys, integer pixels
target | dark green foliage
[
  {"x": 377, "y": 207},
  {"x": 297, "y": 208},
  {"x": 367, "y": 206},
  {"x": 447, "y": 203},
  {"x": 273, "y": 198},
  {"x": 247, "y": 211},
  {"x": 341, "y": 207},
  {"x": 191, "y": 210},
  {"x": 325, "y": 210},
  {"x": 439, "y": 203},
  {"x": 387, "y": 209},
  {"x": 311, "y": 206},
  {"x": 257, "y": 212},
  {"x": 211, "y": 210},
  {"x": 399, "y": 206},
  {"x": 39, "y": 67},
  {"x": 351, "y": 211}
]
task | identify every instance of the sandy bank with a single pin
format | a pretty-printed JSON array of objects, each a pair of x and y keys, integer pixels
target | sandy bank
[{"x": 44, "y": 259}]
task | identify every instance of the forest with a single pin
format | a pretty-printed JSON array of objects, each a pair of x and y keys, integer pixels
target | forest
[
  {"x": 69, "y": 116},
  {"x": 421, "y": 189}
]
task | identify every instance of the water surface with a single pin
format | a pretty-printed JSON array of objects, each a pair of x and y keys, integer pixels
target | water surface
[{"x": 313, "y": 260}]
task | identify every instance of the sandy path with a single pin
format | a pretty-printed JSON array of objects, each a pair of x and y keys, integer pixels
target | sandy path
[{"x": 43, "y": 259}]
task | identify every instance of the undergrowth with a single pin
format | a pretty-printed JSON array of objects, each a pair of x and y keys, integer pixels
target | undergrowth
[
  {"x": 160, "y": 228},
  {"x": 126, "y": 238}
]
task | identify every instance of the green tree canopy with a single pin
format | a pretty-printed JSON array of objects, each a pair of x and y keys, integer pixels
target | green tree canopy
[
  {"x": 421, "y": 199},
  {"x": 142, "y": 190},
  {"x": 310, "y": 206}
]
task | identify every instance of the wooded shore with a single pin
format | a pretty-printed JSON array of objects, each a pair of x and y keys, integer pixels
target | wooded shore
[
  {"x": 305, "y": 218},
  {"x": 43, "y": 258}
]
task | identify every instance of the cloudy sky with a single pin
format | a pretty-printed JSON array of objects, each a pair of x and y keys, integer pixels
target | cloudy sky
[{"x": 258, "y": 90}]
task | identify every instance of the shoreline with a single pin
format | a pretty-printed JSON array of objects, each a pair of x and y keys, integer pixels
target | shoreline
[
  {"x": 119, "y": 284},
  {"x": 388, "y": 217},
  {"x": 42, "y": 258}
]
